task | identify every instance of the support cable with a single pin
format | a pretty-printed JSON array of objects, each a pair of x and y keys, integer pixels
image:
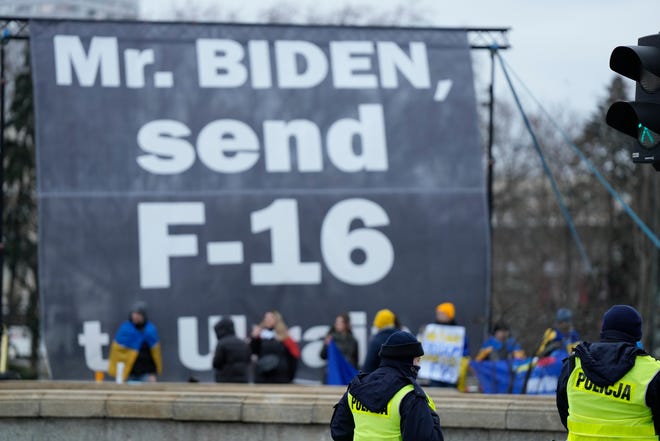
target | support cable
[
  {"x": 592, "y": 168},
  {"x": 546, "y": 169}
]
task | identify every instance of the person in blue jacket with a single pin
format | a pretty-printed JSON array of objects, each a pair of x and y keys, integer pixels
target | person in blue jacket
[
  {"x": 562, "y": 338},
  {"x": 500, "y": 346},
  {"x": 388, "y": 403}
]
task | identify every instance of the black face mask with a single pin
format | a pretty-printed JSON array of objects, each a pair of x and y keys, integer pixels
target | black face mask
[{"x": 415, "y": 370}]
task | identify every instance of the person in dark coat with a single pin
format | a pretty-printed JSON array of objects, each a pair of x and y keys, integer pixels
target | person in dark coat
[
  {"x": 388, "y": 403},
  {"x": 232, "y": 355},
  {"x": 611, "y": 389},
  {"x": 277, "y": 353},
  {"x": 342, "y": 335},
  {"x": 385, "y": 323}
]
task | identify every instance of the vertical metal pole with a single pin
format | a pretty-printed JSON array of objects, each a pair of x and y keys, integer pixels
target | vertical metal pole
[
  {"x": 655, "y": 275},
  {"x": 491, "y": 129},
  {"x": 2, "y": 192},
  {"x": 489, "y": 177}
]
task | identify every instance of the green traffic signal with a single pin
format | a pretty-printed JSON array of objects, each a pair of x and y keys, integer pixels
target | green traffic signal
[
  {"x": 639, "y": 119},
  {"x": 646, "y": 137}
]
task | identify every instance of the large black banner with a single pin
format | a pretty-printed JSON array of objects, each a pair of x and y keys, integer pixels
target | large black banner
[{"x": 226, "y": 170}]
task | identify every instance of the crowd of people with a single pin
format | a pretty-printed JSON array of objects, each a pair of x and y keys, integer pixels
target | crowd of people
[
  {"x": 609, "y": 388},
  {"x": 270, "y": 355}
]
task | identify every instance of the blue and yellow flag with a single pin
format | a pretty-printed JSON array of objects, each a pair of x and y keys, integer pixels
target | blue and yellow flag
[
  {"x": 126, "y": 346},
  {"x": 533, "y": 376},
  {"x": 340, "y": 371}
]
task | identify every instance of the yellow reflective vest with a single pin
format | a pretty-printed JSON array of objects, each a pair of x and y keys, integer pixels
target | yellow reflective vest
[
  {"x": 385, "y": 425},
  {"x": 618, "y": 411}
]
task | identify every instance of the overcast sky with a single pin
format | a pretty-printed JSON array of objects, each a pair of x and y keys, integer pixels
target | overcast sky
[{"x": 560, "y": 49}]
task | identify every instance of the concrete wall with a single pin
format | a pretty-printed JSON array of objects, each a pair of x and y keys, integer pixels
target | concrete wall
[{"x": 74, "y": 411}]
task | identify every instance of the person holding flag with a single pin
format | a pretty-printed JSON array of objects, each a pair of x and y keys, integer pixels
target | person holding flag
[
  {"x": 135, "y": 352},
  {"x": 340, "y": 349}
]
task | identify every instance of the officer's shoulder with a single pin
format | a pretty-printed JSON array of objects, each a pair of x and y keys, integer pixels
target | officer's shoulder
[
  {"x": 568, "y": 362},
  {"x": 418, "y": 391}
]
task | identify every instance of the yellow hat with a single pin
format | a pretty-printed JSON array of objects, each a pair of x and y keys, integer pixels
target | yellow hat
[
  {"x": 448, "y": 309},
  {"x": 384, "y": 318}
]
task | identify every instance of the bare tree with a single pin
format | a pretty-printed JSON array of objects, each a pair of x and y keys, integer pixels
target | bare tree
[
  {"x": 410, "y": 13},
  {"x": 20, "y": 207},
  {"x": 628, "y": 260}
]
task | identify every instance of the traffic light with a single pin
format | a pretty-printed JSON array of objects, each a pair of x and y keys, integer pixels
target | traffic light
[{"x": 640, "y": 118}]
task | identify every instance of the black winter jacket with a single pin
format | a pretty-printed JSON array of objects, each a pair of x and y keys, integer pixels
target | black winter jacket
[
  {"x": 605, "y": 363},
  {"x": 285, "y": 364},
  {"x": 375, "y": 390},
  {"x": 232, "y": 355}
]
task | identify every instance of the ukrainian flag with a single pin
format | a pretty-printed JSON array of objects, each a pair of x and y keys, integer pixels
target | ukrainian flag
[
  {"x": 126, "y": 346},
  {"x": 339, "y": 370}
]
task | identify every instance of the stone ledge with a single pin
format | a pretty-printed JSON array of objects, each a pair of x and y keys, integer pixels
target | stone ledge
[
  {"x": 142, "y": 406},
  {"x": 544, "y": 414},
  {"x": 276, "y": 408},
  {"x": 207, "y": 409},
  {"x": 322, "y": 411},
  {"x": 23, "y": 406},
  {"x": 73, "y": 405},
  {"x": 465, "y": 413},
  {"x": 275, "y": 404}
]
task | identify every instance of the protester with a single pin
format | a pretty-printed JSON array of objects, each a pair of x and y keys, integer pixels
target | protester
[
  {"x": 384, "y": 326},
  {"x": 447, "y": 348},
  {"x": 388, "y": 403},
  {"x": 500, "y": 345},
  {"x": 342, "y": 336},
  {"x": 562, "y": 337},
  {"x": 136, "y": 348},
  {"x": 610, "y": 389},
  {"x": 277, "y": 353},
  {"x": 499, "y": 363},
  {"x": 445, "y": 314},
  {"x": 231, "y": 358}
]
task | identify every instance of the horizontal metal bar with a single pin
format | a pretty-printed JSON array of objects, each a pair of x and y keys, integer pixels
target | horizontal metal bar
[{"x": 498, "y": 36}]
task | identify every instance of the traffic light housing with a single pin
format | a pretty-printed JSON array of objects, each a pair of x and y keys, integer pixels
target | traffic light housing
[{"x": 640, "y": 118}]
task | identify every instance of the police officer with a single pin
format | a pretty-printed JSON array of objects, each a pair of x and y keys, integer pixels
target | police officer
[
  {"x": 388, "y": 403},
  {"x": 611, "y": 389}
]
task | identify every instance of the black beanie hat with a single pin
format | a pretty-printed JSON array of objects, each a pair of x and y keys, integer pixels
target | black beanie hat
[
  {"x": 622, "y": 322},
  {"x": 401, "y": 344}
]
